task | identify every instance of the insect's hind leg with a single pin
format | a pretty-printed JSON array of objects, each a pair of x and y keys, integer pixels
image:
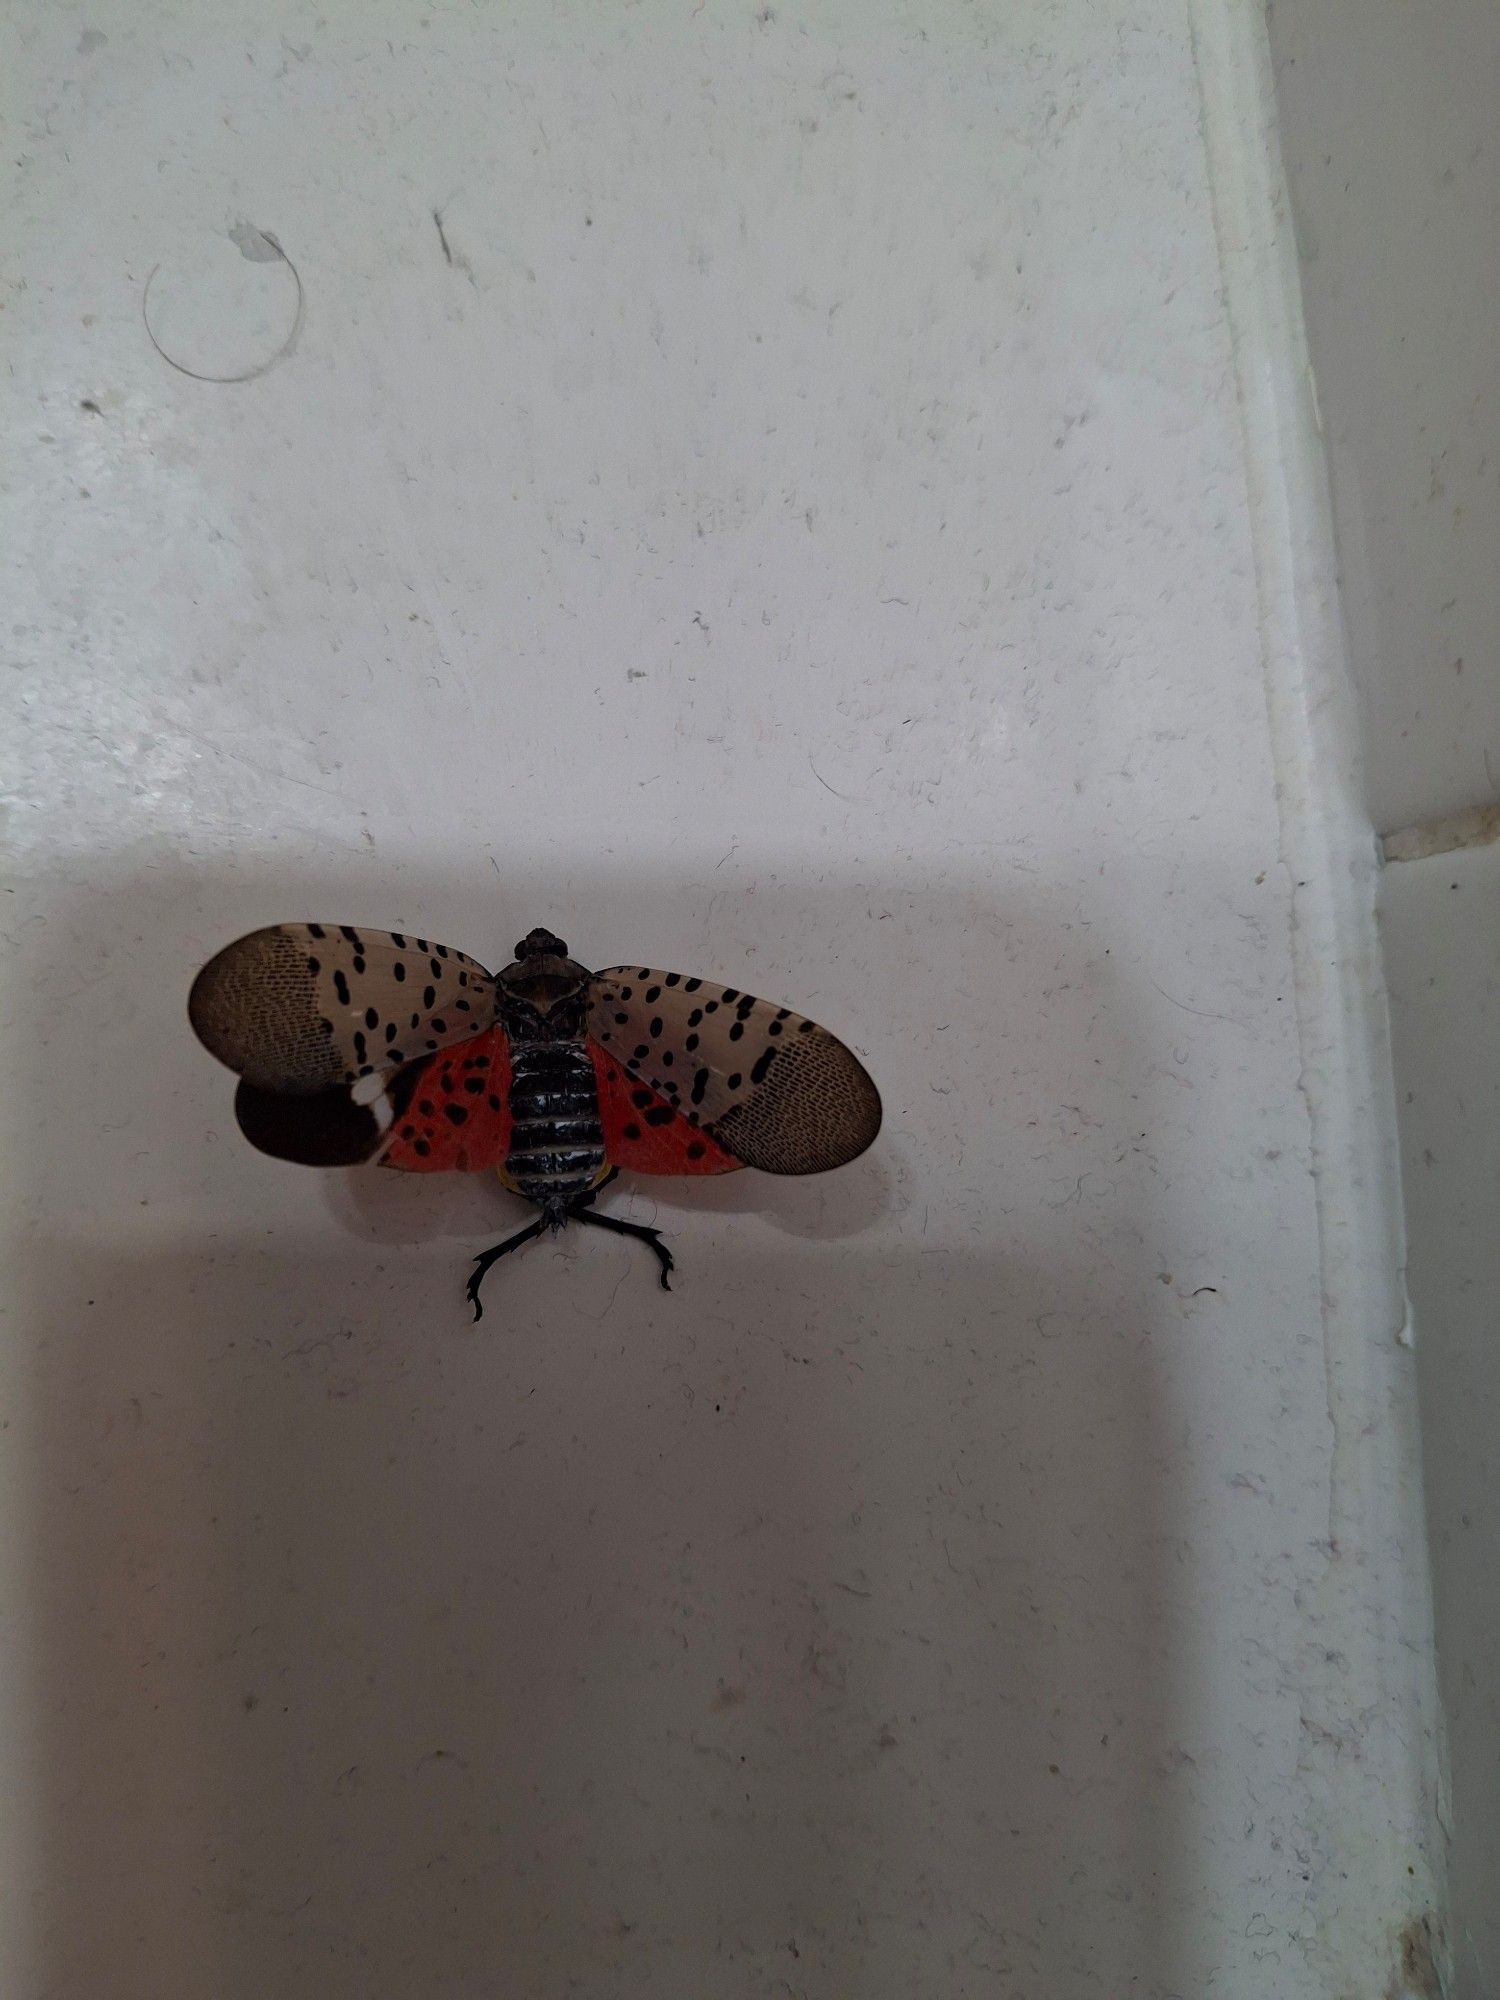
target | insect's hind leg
[
  {"x": 485, "y": 1258},
  {"x": 581, "y": 1212}
]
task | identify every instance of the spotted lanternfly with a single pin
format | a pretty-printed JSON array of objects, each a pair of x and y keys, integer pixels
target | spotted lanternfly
[{"x": 358, "y": 1046}]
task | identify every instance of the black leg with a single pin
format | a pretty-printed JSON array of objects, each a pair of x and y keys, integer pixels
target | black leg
[
  {"x": 487, "y": 1257},
  {"x": 637, "y": 1229}
]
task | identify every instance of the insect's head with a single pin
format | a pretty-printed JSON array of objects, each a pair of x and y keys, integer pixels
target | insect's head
[
  {"x": 544, "y": 995},
  {"x": 541, "y": 944}
]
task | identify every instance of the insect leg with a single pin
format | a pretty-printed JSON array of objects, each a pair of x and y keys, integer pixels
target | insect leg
[
  {"x": 637, "y": 1229},
  {"x": 487, "y": 1257}
]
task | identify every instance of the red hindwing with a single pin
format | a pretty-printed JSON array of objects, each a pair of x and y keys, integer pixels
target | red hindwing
[
  {"x": 455, "y": 1109},
  {"x": 642, "y": 1132}
]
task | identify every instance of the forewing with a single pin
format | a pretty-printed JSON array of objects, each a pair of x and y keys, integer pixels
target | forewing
[
  {"x": 769, "y": 1086},
  {"x": 303, "y": 1007}
]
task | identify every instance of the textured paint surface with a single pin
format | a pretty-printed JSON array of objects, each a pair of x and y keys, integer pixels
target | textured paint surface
[
  {"x": 1388, "y": 118},
  {"x": 1441, "y": 923},
  {"x": 1388, "y": 129},
  {"x": 770, "y": 484}
]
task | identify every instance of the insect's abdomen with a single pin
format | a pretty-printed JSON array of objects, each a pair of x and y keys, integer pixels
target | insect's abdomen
[{"x": 556, "y": 1144}]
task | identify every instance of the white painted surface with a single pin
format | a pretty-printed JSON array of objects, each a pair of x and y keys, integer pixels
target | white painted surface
[
  {"x": 1441, "y": 924},
  {"x": 806, "y": 533},
  {"x": 1388, "y": 117}
]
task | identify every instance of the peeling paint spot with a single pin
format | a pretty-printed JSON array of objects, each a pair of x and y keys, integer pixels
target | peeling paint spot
[{"x": 255, "y": 244}]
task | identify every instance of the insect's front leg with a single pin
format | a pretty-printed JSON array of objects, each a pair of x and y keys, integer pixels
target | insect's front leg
[{"x": 485, "y": 1258}]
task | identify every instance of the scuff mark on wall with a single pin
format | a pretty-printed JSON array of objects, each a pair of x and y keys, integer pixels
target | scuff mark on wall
[{"x": 1422, "y": 1973}]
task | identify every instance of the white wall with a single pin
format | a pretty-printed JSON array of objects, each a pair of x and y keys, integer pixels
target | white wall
[
  {"x": 1442, "y": 933},
  {"x": 1389, "y": 114},
  {"x": 811, "y": 528}
]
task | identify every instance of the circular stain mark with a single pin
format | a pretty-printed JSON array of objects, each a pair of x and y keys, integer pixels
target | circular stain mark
[{"x": 227, "y": 313}]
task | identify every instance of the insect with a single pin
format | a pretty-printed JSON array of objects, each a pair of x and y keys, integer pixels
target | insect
[{"x": 357, "y": 1046}]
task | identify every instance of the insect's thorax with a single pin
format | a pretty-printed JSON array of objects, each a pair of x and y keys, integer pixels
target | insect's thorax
[{"x": 544, "y": 996}]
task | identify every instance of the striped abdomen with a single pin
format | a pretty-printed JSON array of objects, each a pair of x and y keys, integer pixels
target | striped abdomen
[{"x": 556, "y": 1145}]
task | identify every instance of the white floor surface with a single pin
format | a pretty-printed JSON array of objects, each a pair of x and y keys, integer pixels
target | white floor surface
[{"x": 786, "y": 492}]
